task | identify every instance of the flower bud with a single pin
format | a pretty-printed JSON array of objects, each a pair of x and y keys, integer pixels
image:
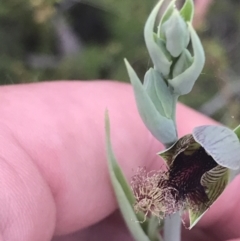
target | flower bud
[
  {"x": 160, "y": 61},
  {"x": 168, "y": 48},
  {"x": 183, "y": 83},
  {"x": 176, "y": 34}
]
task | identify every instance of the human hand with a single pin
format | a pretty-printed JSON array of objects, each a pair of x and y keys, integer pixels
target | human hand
[{"x": 53, "y": 169}]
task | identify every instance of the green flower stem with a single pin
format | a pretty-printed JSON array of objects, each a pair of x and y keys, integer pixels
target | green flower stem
[
  {"x": 172, "y": 224},
  {"x": 172, "y": 228},
  {"x": 174, "y": 112}
]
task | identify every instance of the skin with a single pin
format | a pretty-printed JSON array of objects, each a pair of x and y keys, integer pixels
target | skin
[
  {"x": 201, "y": 10},
  {"x": 53, "y": 170}
]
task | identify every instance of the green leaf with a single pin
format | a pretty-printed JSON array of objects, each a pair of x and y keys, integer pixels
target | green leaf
[
  {"x": 160, "y": 61},
  {"x": 160, "y": 127},
  {"x": 183, "y": 83},
  {"x": 122, "y": 191},
  {"x": 187, "y": 11}
]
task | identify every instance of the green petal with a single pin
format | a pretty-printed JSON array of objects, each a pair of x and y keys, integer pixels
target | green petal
[
  {"x": 181, "y": 145},
  {"x": 221, "y": 143},
  {"x": 160, "y": 127},
  {"x": 123, "y": 192},
  {"x": 160, "y": 61},
  {"x": 215, "y": 182},
  {"x": 212, "y": 177}
]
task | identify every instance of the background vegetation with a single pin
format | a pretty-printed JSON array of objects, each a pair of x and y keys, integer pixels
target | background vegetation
[{"x": 81, "y": 40}]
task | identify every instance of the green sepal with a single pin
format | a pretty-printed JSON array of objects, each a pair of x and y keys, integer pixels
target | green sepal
[
  {"x": 237, "y": 131},
  {"x": 159, "y": 92},
  {"x": 184, "y": 61},
  {"x": 235, "y": 173},
  {"x": 183, "y": 83},
  {"x": 162, "y": 45},
  {"x": 176, "y": 34},
  {"x": 123, "y": 192},
  {"x": 187, "y": 11},
  {"x": 214, "y": 181},
  {"x": 161, "y": 127},
  {"x": 160, "y": 61}
]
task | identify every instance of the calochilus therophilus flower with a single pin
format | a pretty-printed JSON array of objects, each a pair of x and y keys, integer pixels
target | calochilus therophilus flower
[{"x": 198, "y": 171}]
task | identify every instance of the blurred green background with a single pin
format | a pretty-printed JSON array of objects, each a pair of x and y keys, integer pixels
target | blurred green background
[{"x": 81, "y": 40}]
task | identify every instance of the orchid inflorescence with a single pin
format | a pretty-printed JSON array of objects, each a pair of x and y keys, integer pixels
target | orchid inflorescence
[{"x": 199, "y": 165}]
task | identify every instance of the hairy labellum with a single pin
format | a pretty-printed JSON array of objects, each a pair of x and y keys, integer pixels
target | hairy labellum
[
  {"x": 185, "y": 176},
  {"x": 179, "y": 188},
  {"x": 198, "y": 171},
  {"x": 165, "y": 192}
]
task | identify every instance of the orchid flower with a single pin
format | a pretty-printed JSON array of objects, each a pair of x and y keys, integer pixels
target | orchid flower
[{"x": 198, "y": 171}]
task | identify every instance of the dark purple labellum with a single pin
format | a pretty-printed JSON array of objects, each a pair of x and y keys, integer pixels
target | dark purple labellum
[{"x": 184, "y": 176}]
